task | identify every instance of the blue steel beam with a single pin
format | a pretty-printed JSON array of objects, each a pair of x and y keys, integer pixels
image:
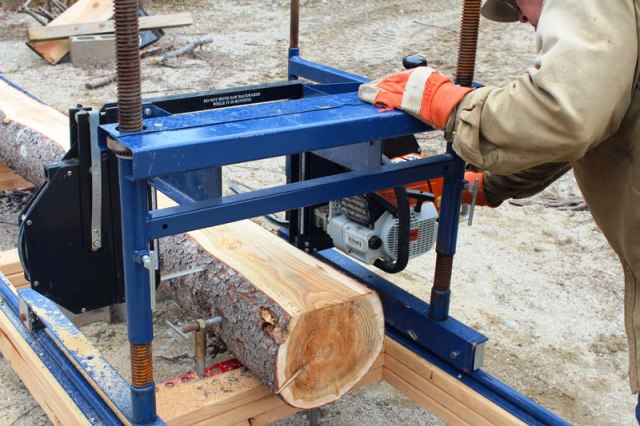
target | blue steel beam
[
  {"x": 299, "y": 67},
  {"x": 253, "y": 132},
  {"x": 202, "y": 214},
  {"x": 93, "y": 366}
]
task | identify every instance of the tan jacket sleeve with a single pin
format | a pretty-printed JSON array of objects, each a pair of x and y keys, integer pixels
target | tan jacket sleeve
[
  {"x": 522, "y": 184},
  {"x": 574, "y": 97}
]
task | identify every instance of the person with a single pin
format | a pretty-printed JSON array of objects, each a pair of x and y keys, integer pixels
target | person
[{"x": 577, "y": 107}]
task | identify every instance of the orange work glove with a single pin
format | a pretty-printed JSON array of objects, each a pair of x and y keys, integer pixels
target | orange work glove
[{"x": 422, "y": 92}]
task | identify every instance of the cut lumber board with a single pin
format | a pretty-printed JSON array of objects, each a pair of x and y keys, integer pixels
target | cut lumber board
[
  {"x": 307, "y": 331},
  {"x": 82, "y": 11},
  {"x": 10, "y": 262},
  {"x": 438, "y": 391},
  {"x": 9, "y": 179},
  {"x": 42, "y": 385},
  {"x": 53, "y": 32}
]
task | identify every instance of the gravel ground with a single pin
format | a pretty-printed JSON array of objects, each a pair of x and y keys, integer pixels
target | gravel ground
[{"x": 539, "y": 281}]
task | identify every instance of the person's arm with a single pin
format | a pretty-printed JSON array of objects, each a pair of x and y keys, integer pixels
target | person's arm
[
  {"x": 522, "y": 184},
  {"x": 575, "y": 97}
]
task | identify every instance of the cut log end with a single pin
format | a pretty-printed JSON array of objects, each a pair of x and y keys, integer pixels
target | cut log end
[{"x": 329, "y": 351}]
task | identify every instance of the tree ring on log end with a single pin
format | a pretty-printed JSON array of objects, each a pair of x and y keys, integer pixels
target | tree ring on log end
[{"x": 334, "y": 346}]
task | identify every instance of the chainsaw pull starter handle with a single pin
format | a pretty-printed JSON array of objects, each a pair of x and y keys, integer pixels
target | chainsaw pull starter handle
[{"x": 414, "y": 61}]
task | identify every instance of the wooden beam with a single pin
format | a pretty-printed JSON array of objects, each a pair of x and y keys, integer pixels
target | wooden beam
[
  {"x": 53, "y": 32},
  {"x": 10, "y": 262},
  {"x": 9, "y": 179},
  {"x": 82, "y": 11},
  {"x": 437, "y": 390},
  {"x": 42, "y": 385}
]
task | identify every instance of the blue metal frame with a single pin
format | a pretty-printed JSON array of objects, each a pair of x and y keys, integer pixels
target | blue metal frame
[{"x": 330, "y": 115}]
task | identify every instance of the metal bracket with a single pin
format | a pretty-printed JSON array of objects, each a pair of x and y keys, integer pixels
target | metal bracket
[
  {"x": 28, "y": 318},
  {"x": 467, "y": 213},
  {"x": 149, "y": 262},
  {"x": 180, "y": 274},
  {"x": 96, "y": 182}
]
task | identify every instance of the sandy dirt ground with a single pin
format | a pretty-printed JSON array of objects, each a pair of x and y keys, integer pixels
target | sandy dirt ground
[{"x": 536, "y": 276}]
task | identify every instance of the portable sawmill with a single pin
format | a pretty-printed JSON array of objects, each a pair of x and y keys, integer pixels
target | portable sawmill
[{"x": 356, "y": 182}]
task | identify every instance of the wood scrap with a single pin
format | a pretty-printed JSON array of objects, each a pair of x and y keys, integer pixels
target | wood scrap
[
  {"x": 282, "y": 310},
  {"x": 80, "y": 12},
  {"x": 53, "y": 32},
  {"x": 161, "y": 60},
  {"x": 101, "y": 82}
]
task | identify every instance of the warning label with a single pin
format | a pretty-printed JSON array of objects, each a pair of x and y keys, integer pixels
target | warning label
[{"x": 234, "y": 99}]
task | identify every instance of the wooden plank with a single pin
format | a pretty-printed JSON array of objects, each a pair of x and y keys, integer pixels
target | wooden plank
[
  {"x": 443, "y": 381},
  {"x": 104, "y": 27},
  {"x": 10, "y": 262},
  {"x": 427, "y": 388},
  {"x": 37, "y": 378},
  {"x": 18, "y": 280},
  {"x": 421, "y": 398},
  {"x": 82, "y": 11}
]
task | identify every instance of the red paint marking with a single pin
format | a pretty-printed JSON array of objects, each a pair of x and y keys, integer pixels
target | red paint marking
[{"x": 214, "y": 370}]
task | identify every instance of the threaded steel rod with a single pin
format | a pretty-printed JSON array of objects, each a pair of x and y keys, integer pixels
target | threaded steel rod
[
  {"x": 128, "y": 65},
  {"x": 469, "y": 27},
  {"x": 294, "y": 31}
]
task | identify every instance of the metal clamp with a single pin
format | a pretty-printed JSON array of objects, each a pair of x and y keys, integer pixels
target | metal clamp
[
  {"x": 149, "y": 262},
  {"x": 473, "y": 189},
  {"x": 96, "y": 182},
  {"x": 26, "y": 315}
]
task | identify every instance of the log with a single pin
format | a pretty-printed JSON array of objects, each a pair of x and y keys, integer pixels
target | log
[{"x": 305, "y": 330}]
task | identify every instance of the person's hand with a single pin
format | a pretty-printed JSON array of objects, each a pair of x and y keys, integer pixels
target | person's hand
[{"x": 422, "y": 92}]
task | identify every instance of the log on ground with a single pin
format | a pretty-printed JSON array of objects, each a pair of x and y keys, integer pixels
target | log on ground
[{"x": 305, "y": 330}]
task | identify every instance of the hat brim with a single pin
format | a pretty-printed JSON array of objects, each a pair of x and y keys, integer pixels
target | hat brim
[{"x": 500, "y": 11}]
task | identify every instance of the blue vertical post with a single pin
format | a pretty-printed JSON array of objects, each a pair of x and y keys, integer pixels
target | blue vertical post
[
  {"x": 135, "y": 245},
  {"x": 447, "y": 238}
]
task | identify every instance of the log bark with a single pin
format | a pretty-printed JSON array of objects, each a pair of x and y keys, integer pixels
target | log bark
[{"x": 305, "y": 330}]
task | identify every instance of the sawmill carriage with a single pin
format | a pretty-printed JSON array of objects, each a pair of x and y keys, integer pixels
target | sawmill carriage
[{"x": 306, "y": 317}]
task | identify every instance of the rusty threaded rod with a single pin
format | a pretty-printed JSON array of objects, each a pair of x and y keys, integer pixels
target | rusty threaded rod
[
  {"x": 442, "y": 276},
  {"x": 128, "y": 65},
  {"x": 141, "y": 365},
  {"x": 294, "y": 31},
  {"x": 469, "y": 27}
]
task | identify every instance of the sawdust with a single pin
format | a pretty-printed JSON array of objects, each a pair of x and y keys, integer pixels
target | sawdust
[{"x": 540, "y": 282}]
